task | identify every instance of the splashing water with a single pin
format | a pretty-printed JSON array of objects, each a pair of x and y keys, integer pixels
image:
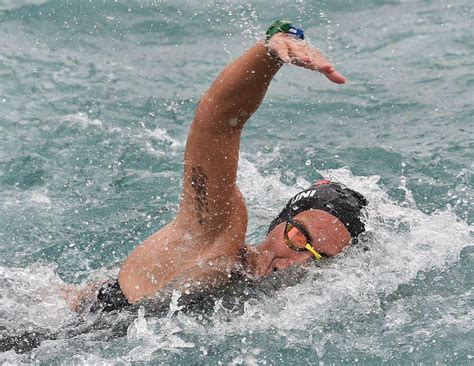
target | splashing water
[
  {"x": 364, "y": 301},
  {"x": 95, "y": 104}
]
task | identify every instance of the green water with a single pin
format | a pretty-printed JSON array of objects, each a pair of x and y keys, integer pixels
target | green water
[{"x": 96, "y": 99}]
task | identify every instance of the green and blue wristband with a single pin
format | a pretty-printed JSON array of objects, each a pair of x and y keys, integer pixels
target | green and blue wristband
[{"x": 283, "y": 26}]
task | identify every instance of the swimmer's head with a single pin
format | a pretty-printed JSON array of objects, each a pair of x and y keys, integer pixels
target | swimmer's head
[
  {"x": 341, "y": 202},
  {"x": 318, "y": 222}
]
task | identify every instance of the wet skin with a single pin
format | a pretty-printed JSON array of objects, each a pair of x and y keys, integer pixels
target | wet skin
[
  {"x": 205, "y": 242},
  {"x": 329, "y": 237}
]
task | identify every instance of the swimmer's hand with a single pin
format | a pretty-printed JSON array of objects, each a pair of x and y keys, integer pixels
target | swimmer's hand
[
  {"x": 77, "y": 296},
  {"x": 290, "y": 49}
]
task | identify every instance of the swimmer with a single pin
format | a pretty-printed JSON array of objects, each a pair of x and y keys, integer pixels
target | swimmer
[{"x": 204, "y": 245}]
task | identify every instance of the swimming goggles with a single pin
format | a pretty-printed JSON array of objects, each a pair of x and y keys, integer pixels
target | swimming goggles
[{"x": 297, "y": 238}]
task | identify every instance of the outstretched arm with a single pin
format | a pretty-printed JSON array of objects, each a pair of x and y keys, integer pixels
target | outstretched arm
[
  {"x": 210, "y": 193},
  {"x": 212, "y": 149},
  {"x": 207, "y": 236}
]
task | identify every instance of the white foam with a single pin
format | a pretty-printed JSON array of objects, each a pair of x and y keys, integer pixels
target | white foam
[
  {"x": 161, "y": 134},
  {"x": 346, "y": 291},
  {"x": 155, "y": 334},
  {"x": 339, "y": 303},
  {"x": 35, "y": 198},
  {"x": 40, "y": 198},
  {"x": 10, "y": 5},
  {"x": 265, "y": 195},
  {"x": 33, "y": 297},
  {"x": 82, "y": 120}
]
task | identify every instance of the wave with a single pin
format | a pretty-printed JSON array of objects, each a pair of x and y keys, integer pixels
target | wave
[{"x": 351, "y": 302}]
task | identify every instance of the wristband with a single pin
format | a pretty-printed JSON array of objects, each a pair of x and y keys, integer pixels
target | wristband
[{"x": 283, "y": 26}]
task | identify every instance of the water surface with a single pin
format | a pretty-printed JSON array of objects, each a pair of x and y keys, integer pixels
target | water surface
[{"x": 96, "y": 99}]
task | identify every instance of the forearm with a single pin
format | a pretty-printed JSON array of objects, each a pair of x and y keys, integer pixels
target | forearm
[{"x": 238, "y": 91}]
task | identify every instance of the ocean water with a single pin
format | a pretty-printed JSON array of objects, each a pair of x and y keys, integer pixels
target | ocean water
[{"x": 96, "y": 98}]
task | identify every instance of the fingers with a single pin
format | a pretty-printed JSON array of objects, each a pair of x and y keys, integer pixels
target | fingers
[
  {"x": 317, "y": 62},
  {"x": 314, "y": 60},
  {"x": 332, "y": 74},
  {"x": 326, "y": 68},
  {"x": 336, "y": 77},
  {"x": 300, "y": 53}
]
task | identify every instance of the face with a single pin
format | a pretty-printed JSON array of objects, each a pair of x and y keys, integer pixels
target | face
[{"x": 328, "y": 236}]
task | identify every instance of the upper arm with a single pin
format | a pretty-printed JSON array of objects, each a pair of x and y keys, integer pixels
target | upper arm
[{"x": 210, "y": 194}]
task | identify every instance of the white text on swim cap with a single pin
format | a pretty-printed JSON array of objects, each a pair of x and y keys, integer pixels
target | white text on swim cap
[{"x": 301, "y": 195}]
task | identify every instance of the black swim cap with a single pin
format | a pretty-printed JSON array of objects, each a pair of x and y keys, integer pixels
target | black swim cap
[{"x": 339, "y": 201}]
